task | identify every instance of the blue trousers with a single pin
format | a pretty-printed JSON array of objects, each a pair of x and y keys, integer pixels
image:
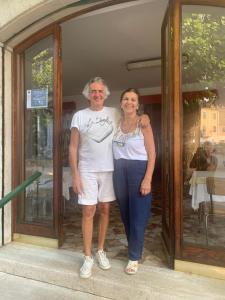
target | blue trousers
[{"x": 134, "y": 208}]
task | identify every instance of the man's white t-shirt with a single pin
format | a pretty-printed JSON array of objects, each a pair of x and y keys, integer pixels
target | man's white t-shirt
[{"x": 96, "y": 130}]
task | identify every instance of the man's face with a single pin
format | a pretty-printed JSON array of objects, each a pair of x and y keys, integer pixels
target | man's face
[{"x": 97, "y": 95}]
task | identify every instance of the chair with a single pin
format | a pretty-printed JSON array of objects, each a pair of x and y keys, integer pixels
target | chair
[{"x": 215, "y": 186}]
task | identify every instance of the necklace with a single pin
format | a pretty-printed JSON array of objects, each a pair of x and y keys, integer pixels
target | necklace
[
  {"x": 123, "y": 133},
  {"x": 128, "y": 126}
]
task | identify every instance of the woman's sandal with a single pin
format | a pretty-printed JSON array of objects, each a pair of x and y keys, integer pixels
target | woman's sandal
[{"x": 132, "y": 267}]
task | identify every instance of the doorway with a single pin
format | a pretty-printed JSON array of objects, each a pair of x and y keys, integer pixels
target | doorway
[{"x": 106, "y": 54}]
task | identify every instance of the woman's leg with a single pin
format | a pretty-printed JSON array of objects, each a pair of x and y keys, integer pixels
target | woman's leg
[
  {"x": 121, "y": 191},
  {"x": 139, "y": 209}
]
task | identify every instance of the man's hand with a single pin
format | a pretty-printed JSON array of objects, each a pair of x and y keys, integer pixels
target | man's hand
[
  {"x": 144, "y": 121},
  {"x": 77, "y": 185}
]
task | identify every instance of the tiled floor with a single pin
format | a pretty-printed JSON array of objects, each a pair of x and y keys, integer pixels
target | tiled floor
[
  {"x": 116, "y": 244},
  {"x": 194, "y": 229}
]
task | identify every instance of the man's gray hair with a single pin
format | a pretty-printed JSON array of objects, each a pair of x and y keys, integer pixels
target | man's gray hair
[{"x": 86, "y": 90}]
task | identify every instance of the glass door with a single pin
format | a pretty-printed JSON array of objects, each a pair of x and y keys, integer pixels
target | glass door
[
  {"x": 203, "y": 76},
  {"x": 37, "y": 130}
]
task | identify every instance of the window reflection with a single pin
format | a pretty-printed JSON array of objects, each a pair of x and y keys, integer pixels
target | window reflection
[
  {"x": 203, "y": 42},
  {"x": 38, "y": 131}
]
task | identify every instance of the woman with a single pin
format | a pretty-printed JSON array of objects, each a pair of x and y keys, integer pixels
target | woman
[
  {"x": 203, "y": 159},
  {"x": 134, "y": 160}
]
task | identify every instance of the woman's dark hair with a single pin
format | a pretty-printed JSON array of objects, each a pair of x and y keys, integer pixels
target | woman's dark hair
[{"x": 128, "y": 91}]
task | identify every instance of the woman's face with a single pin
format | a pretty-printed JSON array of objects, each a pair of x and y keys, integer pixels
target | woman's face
[
  {"x": 208, "y": 148},
  {"x": 129, "y": 103}
]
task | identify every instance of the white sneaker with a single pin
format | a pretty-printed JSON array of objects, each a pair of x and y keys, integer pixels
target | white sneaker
[
  {"x": 85, "y": 270},
  {"x": 103, "y": 261}
]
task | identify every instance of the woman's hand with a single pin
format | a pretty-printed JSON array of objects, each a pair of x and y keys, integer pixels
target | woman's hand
[
  {"x": 77, "y": 185},
  {"x": 146, "y": 187}
]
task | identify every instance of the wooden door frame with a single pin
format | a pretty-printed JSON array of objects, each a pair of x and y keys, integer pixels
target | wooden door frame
[
  {"x": 18, "y": 173},
  {"x": 171, "y": 231}
]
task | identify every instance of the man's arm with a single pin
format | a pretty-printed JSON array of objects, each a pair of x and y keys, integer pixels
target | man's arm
[{"x": 73, "y": 159}]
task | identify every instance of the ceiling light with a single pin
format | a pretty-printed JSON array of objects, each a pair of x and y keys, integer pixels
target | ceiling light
[{"x": 148, "y": 63}]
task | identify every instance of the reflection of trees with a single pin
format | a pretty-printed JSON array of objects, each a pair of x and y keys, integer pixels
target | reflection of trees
[
  {"x": 39, "y": 121},
  {"x": 203, "y": 41},
  {"x": 42, "y": 70}
]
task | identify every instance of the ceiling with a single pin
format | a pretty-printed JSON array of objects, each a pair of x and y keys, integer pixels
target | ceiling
[{"x": 102, "y": 42}]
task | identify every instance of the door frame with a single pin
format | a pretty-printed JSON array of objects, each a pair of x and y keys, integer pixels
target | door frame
[
  {"x": 171, "y": 132},
  {"x": 18, "y": 174}
]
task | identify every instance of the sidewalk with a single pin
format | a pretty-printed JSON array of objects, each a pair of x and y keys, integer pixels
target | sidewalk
[{"x": 61, "y": 268}]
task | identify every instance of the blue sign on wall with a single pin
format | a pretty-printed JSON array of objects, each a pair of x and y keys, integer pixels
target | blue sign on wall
[{"x": 37, "y": 98}]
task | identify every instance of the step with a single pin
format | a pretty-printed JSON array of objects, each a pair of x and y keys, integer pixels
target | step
[
  {"x": 19, "y": 288},
  {"x": 61, "y": 268}
]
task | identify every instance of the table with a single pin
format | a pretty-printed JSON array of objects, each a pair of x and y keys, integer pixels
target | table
[{"x": 198, "y": 189}]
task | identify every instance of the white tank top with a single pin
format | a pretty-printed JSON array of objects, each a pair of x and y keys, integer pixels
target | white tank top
[{"x": 129, "y": 145}]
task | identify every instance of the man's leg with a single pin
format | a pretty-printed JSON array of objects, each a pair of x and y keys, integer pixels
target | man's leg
[
  {"x": 105, "y": 196},
  {"x": 104, "y": 208},
  {"x": 88, "y": 212},
  {"x": 88, "y": 200}
]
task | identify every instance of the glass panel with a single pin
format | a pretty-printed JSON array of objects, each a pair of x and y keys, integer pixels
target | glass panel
[
  {"x": 38, "y": 129},
  {"x": 203, "y": 73}
]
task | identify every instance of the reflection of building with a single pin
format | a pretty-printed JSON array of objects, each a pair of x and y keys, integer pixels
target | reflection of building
[{"x": 212, "y": 124}]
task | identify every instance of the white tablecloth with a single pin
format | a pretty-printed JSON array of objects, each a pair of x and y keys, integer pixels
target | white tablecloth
[
  {"x": 198, "y": 188},
  {"x": 46, "y": 181},
  {"x": 67, "y": 182}
]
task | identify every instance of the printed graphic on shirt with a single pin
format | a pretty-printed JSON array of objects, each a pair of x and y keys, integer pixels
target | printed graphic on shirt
[{"x": 99, "y": 129}]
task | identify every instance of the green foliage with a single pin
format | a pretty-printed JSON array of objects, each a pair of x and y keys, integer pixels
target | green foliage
[
  {"x": 203, "y": 41},
  {"x": 42, "y": 70}
]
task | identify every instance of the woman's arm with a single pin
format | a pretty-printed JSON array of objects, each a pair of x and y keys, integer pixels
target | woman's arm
[
  {"x": 150, "y": 149},
  {"x": 73, "y": 159}
]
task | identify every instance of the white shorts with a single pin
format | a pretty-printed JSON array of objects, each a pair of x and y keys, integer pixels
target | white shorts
[{"x": 97, "y": 187}]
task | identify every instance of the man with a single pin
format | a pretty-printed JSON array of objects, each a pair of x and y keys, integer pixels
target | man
[{"x": 91, "y": 162}]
